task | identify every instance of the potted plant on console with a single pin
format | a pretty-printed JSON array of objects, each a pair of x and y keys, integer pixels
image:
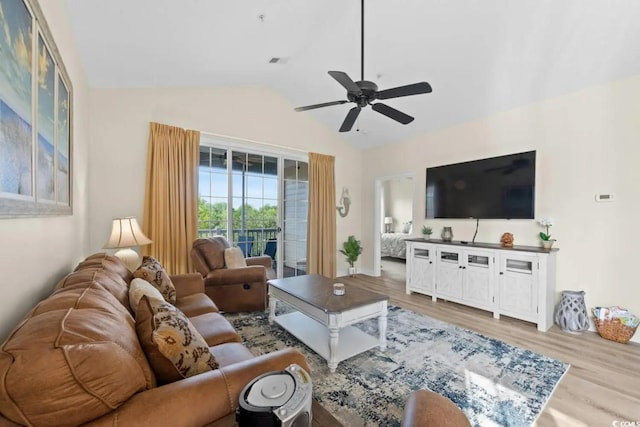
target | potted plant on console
[
  {"x": 547, "y": 241},
  {"x": 352, "y": 249},
  {"x": 427, "y": 232}
]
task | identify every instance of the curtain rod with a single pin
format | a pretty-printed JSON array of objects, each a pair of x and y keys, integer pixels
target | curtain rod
[{"x": 268, "y": 144}]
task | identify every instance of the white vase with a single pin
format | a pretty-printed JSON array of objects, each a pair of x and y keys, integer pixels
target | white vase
[{"x": 547, "y": 244}]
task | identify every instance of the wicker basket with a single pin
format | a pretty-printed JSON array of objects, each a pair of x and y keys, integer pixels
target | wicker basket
[{"x": 614, "y": 330}]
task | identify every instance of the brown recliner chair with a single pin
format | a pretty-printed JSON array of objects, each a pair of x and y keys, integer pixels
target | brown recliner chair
[
  {"x": 425, "y": 408},
  {"x": 232, "y": 289}
]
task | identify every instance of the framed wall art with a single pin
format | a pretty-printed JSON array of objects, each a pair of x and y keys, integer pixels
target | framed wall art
[{"x": 36, "y": 135}]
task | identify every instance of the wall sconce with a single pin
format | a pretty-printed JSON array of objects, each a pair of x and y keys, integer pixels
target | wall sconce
[{"x": 345, "y": 202}]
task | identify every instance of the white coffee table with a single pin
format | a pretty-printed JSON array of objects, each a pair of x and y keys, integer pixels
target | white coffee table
[{"x": 322, "y": 320}]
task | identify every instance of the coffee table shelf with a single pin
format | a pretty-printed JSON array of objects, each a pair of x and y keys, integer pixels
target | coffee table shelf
[
  {"x": 352, "y": 340},
  {"x": 323, "y": 321}
]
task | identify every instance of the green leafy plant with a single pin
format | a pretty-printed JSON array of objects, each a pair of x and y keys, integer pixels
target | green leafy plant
[
  {"x": 352, "y": 249},
  {"x": 427, "y": 231}
]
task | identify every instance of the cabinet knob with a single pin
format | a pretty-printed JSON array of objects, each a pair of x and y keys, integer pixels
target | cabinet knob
[
  {"x": 430, "y": 262},
  {"x": 501, "y": 273}
]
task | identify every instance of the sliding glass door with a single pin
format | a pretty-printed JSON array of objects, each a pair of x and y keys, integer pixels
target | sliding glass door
[{"x": 250, "y": 197}]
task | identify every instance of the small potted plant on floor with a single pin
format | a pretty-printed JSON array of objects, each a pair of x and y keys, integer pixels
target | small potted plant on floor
[
  {"x": 427, "y": 232},
  {"x": 352, "y": 249}
]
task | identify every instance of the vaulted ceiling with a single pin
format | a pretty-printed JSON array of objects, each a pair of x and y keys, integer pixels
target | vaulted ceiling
[{"x": 480, "y": 56}]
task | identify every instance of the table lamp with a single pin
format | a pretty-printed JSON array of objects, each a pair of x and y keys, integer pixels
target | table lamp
[
  {"x": 126, "y": 234},
  {"x": 387, "y": 224}
]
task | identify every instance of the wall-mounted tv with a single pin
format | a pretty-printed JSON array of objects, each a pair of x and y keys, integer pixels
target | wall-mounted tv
[{"x": 494, "y": 188}]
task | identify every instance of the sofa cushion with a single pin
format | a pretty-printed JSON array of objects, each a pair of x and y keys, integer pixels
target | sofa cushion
[
  {"x": 214, "y": 328},
  {"x": 106, "y": 278},
  {"x": 196, "y": 304},
  {"x": 92, "y": 295},
  {"x": 70, "y": 366},
  {"x": 108, "y": 262},
  {"x": 152, "y": 271},
  {"x": 172, "y": 344},
  {"x": 230, "y": 353},
  {"x": 139, "y": 288},
  {"x": 209, "y": 253},
  {"x": 234, "y": 258}
]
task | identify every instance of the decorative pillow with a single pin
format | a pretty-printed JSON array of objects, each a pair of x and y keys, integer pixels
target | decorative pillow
[
  {"x": 406, "y": 228},
  {"x": 174, "y": 347},
  {"x": 234, "y": 258},
  {"x": 140, "y": 288},
  {"x": 152, "y": 271}
]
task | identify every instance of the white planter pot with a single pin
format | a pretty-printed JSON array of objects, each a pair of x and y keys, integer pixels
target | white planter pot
[{"x": 352, "y": 271}]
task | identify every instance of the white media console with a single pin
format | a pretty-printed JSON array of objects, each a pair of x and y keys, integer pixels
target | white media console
[{"x": 517, "y": 282}]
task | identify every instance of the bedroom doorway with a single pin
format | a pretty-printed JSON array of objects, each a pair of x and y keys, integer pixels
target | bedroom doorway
[{"x": 393, "y": 224}]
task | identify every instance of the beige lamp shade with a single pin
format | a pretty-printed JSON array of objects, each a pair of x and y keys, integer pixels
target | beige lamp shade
[{"x": 125, "y": 234}]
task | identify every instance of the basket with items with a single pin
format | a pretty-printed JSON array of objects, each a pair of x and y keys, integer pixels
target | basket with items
[{"x": 615, "y": 323}]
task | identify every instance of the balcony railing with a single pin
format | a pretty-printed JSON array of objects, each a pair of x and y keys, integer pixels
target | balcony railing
[{"x": 255, "y": 240}]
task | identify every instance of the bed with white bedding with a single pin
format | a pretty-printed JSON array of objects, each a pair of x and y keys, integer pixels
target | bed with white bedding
[{"x": 393, "y": 245}]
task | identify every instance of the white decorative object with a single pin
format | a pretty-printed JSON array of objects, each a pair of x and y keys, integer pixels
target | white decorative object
[
  {"x": 126, "y": 234},
  {"x": 338, "y": 289},
  {"x": 571, "y": 314},
  {"x": 345, "y": 202},
  {"x": 518, "y": 284}
]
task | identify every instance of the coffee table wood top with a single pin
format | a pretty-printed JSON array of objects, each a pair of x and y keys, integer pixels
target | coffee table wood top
[{"x": 318, "y": 291}]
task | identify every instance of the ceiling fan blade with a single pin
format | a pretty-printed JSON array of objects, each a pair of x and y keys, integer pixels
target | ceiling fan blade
[
  {"x": 414, "y": 89},
  {"x": 392, "y": 113},
  {"x": 352, "y": 115},
  {"x": 345, "y": 80},
  {"x": 326, "y": 104}
]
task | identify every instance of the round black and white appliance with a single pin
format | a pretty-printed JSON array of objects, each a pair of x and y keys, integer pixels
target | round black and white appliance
[{"x": 279, "y": 398}]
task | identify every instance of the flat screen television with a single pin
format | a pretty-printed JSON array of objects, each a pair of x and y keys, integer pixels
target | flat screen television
[{"x": 495, "y": 188}]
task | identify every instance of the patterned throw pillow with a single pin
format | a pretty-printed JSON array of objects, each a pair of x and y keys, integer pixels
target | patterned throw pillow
[
  {"x": 174, "y": 347},
  {"x": 152, "y": 271},
  {"x": 234, "y": 258},
  {"x": 139, "y": 288}
]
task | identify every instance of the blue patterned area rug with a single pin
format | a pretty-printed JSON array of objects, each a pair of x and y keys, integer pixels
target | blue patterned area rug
[{"x": 494, "y": 383}]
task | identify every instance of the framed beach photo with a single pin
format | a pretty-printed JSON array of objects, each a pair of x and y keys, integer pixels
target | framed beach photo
[{"x": 35, "y": 116}]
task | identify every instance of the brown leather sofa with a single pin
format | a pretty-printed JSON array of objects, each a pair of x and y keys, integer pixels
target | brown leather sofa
[
  {"x": 428, "y": 409},
  {"x": 76, "y": 358},
  {"x": 233, "y": 289}
]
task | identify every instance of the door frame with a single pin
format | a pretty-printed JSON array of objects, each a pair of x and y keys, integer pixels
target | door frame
[{"x": 377, "y": 217}]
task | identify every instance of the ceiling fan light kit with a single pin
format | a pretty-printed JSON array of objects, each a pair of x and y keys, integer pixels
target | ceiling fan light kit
[{"x": 364, "y": 92}]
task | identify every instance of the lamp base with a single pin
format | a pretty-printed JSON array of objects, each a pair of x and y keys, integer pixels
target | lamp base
[{"x": 129, "y": 257}]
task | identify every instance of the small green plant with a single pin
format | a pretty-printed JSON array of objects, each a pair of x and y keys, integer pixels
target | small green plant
[
  {"x": 352, "y": 249},
  {"x": 427, "y": 231},
  {"x": 546, "y": 222}
]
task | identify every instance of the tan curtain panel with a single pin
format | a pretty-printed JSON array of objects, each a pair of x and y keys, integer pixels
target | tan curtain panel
[
  {"x": 171, "y": 196},
  {"x": 321, "y": 233}
]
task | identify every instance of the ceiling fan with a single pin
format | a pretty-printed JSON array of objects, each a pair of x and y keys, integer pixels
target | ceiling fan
[{"x": 364, "y": 92}]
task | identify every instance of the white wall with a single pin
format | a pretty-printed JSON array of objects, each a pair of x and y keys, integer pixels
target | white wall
[
  {"x": 120, "y": 131},
  {"x": 37, "y": 252},
  {"x": 587, "y": 143}
]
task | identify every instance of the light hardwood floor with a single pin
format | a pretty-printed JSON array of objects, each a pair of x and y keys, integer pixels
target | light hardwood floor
[{"x": 601, "y": 386}]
